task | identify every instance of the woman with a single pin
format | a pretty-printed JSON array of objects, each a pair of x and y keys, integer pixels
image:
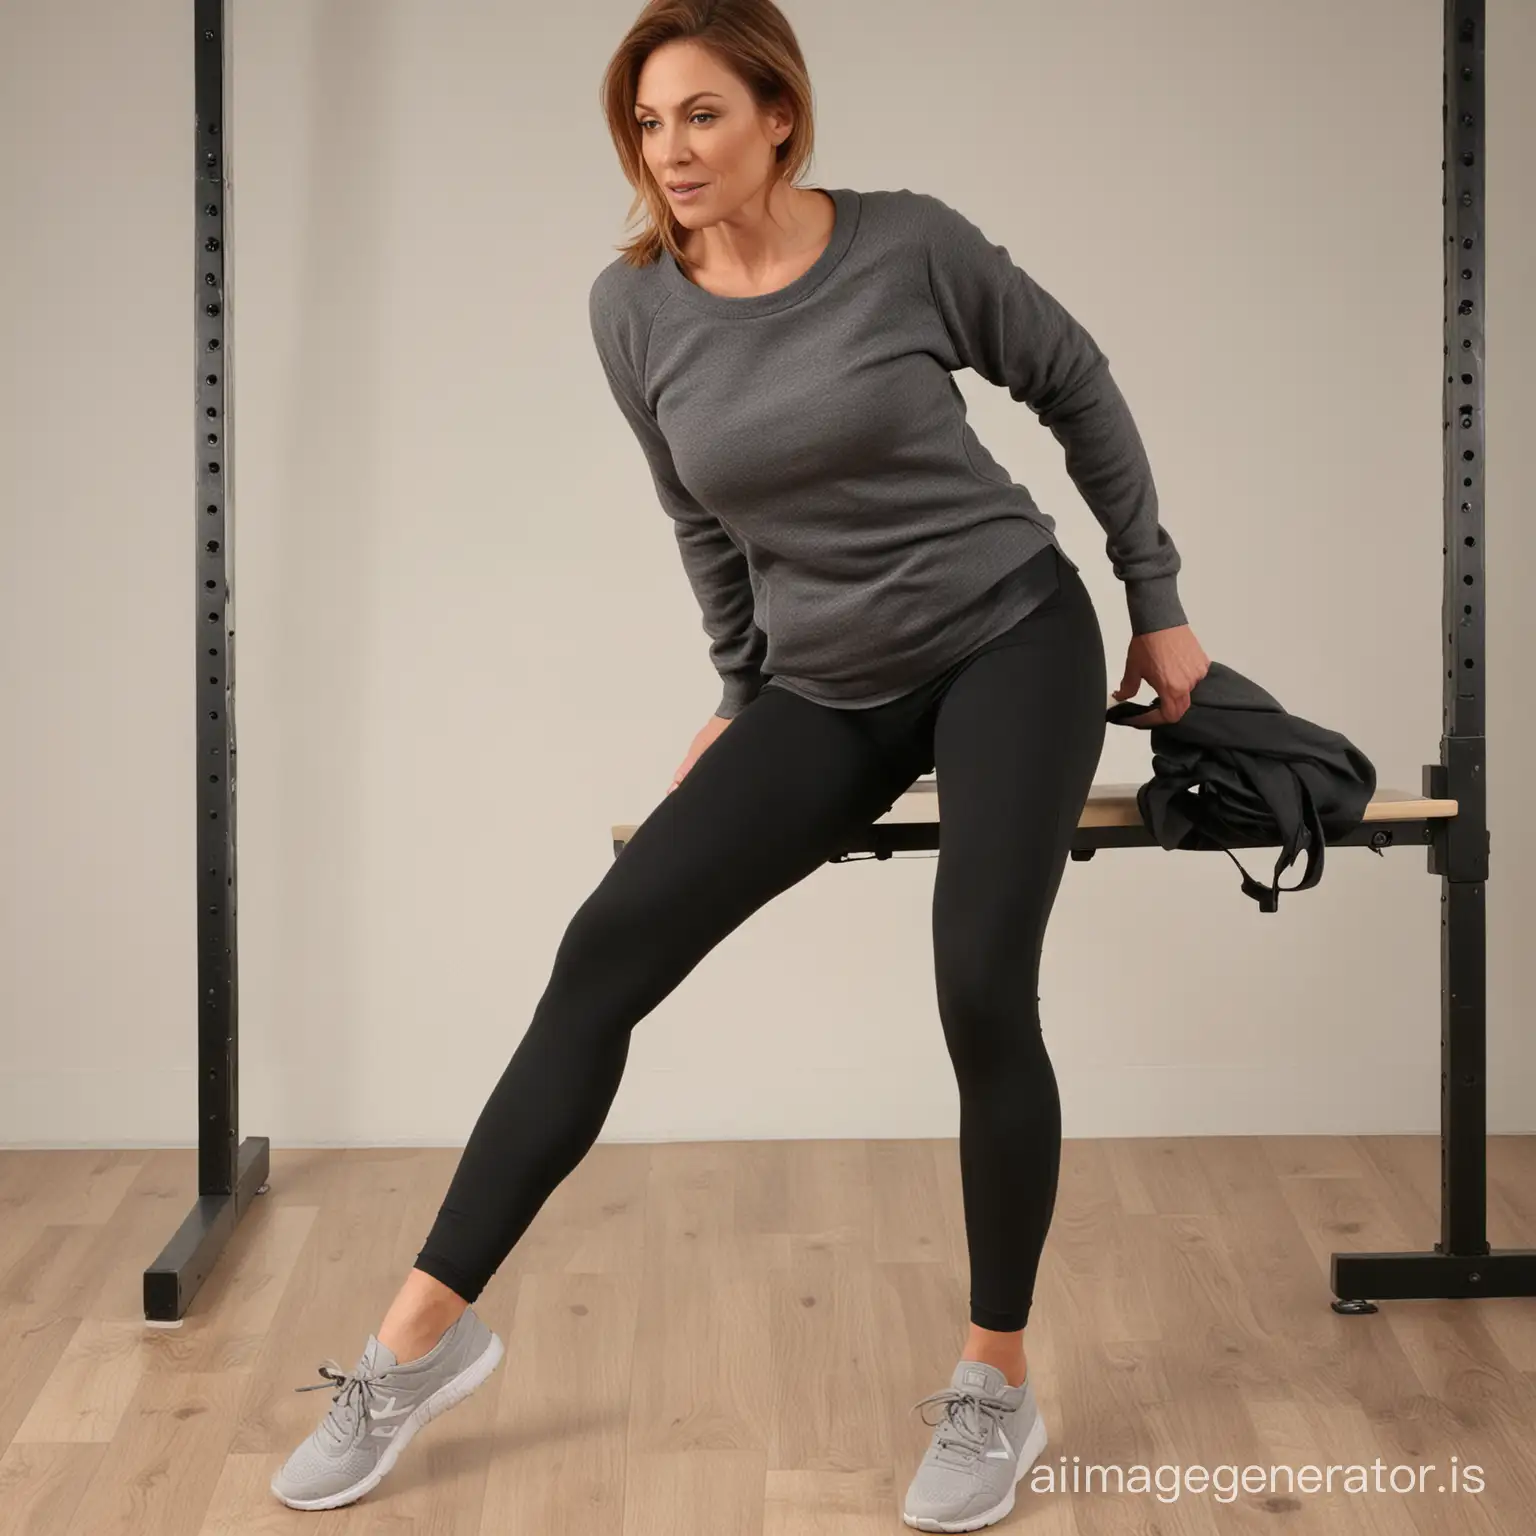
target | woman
[{"x": 881, "y": 598}]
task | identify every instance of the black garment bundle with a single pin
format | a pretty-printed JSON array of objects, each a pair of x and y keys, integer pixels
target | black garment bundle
[{"x": 1236, "y": 770}]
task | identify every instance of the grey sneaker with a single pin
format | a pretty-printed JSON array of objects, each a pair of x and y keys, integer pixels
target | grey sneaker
[
  {"x": 376, "y": 1410},
  {"x": 987, "y": 1440}
]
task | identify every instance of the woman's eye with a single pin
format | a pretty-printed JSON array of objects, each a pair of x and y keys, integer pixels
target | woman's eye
[{"x": 645, "y": 122}]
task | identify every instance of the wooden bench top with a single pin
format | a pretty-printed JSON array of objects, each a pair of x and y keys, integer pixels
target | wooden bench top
[{"x": 1114, "y": 805}]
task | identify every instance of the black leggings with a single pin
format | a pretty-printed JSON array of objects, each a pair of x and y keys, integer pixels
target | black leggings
[{"x": 1015, "y": 730}]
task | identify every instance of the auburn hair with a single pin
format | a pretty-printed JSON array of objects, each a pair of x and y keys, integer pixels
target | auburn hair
[{"x": 755, "y": 41}]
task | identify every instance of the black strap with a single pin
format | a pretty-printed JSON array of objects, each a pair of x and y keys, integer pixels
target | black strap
[{"x": 1268, "y": 896}]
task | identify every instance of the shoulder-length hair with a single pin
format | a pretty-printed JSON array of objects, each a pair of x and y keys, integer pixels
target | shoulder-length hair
[{"x": 751, "y": 37}]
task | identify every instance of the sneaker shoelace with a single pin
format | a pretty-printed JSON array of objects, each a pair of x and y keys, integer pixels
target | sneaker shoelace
[
  {"x": 351, "y": 1402},
  {"x": 969, "y": 1418}
]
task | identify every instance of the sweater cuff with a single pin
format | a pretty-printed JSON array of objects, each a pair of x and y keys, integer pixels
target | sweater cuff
[
  {"x": 737, "y": 696},
  {"x": 1154, "y": 604}
]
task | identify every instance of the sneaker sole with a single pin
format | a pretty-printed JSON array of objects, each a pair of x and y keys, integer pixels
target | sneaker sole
[
  {"x": 449, "y": 1395},
  {"x": 1034, "y": 1443}
]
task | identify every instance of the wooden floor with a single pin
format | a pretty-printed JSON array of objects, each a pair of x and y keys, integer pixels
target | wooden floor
[{"x": 723, "y": 1338}]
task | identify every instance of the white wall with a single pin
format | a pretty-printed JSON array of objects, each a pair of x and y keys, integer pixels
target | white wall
[{"x": 466, "y": 646}]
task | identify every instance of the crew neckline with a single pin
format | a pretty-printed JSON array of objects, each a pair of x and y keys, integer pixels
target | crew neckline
[{"x": 845, "y": 221}]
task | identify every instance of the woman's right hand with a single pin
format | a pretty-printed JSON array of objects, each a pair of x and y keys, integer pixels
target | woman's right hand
[{"x": 711, "y": 729}]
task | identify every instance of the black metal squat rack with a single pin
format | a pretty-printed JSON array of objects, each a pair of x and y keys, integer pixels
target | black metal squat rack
[{"x": 231, "y": 1172}]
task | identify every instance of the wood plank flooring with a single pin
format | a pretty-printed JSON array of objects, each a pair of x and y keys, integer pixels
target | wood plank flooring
[{"x": 725, "y": 1339}]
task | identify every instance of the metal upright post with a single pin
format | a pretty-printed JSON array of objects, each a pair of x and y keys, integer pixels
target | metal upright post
[
  {"x": 1461, "y": 1263},
  {"x": 230, "y": 1172}
]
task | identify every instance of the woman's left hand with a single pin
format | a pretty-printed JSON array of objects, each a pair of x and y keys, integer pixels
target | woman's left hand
[{"x": 1173, "y": 661}]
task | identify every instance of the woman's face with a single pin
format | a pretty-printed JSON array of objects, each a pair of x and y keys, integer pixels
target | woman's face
[{"x": 698, "y": 122}]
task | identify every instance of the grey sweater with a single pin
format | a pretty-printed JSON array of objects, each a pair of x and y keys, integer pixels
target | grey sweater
[{"x": 845, "y": 532}]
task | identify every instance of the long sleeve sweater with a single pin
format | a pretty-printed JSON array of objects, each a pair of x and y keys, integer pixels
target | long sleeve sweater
[{"x": 846, "y": 534}]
